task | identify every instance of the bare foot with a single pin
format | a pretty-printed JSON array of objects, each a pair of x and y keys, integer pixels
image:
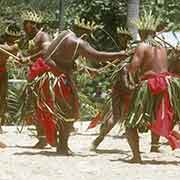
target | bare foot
[
  {"x": 155, "y": 149},
  {"x": 40, "y": 145},
  {"x": 93, "y": 147},
  {"x": 2, "y": 145},
  {"x": 1, "y": 130},
  {"x": 135, "y": 160},
  {"x": 64, "y": 152}
]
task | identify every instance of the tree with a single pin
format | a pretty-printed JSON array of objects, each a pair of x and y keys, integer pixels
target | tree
[
  {"x": 61, "y": 14},
  {"x": 133, "y": 7}
]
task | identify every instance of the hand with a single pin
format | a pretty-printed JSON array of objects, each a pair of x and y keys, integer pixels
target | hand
[
  {"x": 123, "y": 54},
  {"x": 25, "y": 60},
  {"x": 92, "y": 72}
]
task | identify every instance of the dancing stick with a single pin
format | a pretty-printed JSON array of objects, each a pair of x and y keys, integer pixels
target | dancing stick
[{"x": 10, "y": 54}]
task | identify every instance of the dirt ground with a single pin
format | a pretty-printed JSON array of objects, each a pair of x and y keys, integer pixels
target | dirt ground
[{"x": 20, "y": 162}]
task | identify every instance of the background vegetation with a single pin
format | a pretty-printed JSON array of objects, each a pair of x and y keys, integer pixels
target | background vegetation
[{"x": 110, "y": 14}]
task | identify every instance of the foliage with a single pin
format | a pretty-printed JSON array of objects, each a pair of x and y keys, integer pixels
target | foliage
[
  {"x": 147, "y": 22},
  {"x": 169, "y": 11}
]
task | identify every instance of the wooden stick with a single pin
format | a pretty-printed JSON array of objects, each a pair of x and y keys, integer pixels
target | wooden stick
[{"x": 10, "y": 54}]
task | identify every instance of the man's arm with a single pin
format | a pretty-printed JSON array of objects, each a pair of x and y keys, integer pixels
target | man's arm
[
  {"x": 44, "y": 41},
  {"x": 11, "y": 49},
  {"x": 87, "y": 51},
  {"x": 137, "y": 59}
]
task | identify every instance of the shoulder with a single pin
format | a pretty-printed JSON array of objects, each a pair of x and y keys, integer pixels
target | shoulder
[
  {"x": 142, "y": 48},
  {"x": 43, "y": 36},
  {"x": 73, "y": 39}
]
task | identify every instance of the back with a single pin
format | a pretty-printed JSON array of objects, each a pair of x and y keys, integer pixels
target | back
[{"x": 155, "y": 60}]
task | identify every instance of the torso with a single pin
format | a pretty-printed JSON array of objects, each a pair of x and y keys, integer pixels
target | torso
[
  {"x": 63, "y": 56},
  {"x": 155, "y": 60},
  {"x": 36, "y": 44}
]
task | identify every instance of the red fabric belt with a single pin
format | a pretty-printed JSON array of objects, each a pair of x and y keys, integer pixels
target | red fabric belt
[
  {"x": 164, "y": 113},
  {"x": 44, "y": 117}
]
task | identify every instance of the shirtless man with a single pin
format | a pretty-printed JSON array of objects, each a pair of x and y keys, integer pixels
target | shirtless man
[
  {"x": 63, "y": 58},
  {"x": 12, "y": 33},
  {"x": 122, "y": 89},
  {"x": 151, "y": 60},
  {"x": 58, "y": 59},
  {"x": 36, "y": 43}
]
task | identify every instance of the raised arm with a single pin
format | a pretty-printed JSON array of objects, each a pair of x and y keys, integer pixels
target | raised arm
[{"x": 137, "y": 59}]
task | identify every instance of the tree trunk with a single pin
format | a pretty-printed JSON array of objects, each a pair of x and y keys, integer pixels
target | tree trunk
[
  {"x": 133, "y": 14},
  {"x": 61, "y": 15}
]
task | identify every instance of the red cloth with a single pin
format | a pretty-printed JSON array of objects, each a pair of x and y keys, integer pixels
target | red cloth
[
  {"x": 164, "y": 113},
  {"x": 44, "y": 117},
  {"x": 3, "y": 69},
  {"x": 38, "y": 68},
  {"x": 127, "y": 100},
  {"x": 95, "y": 120}
]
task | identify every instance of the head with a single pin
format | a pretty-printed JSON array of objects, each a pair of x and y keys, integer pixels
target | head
[
  {"x": 30, "y": 27},
  {"x": 147, "y": 25},
  {"x": 82, "y": 26},
  {"x": 145, "y": 34},
  {"x": 31, "y": 22},
  {"x": 12, "y": 33},
  {"x": 124, "y": 37}
]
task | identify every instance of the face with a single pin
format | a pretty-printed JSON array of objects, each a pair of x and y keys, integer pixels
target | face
[
  {"x": 11, "y": 39},
  {"x": 28, "y": 27}
]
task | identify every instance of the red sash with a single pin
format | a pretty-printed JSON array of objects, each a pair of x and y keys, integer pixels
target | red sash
[
  {"x": 44, "y": 117},
  {"x": 164, "y": 113}
]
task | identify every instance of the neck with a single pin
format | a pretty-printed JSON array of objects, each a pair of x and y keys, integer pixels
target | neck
[{"x": 33, "y": 33}]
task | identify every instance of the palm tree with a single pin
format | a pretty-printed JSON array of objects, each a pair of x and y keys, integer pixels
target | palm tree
[{"x": 132, "y": 14}]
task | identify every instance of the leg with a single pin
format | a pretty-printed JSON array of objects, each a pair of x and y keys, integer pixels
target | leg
[
  {"x": 63, "y": 133},
  {"x": 154, "y": 142},
  {"x": 3, "y": 96},
  {"x": 104, "y": 130},
  {"x": 41, "y": 137},
  {"x": 110, "y": 123},
  {"x": 2, "y": 145},
  {"x": 133, "y": 141}
]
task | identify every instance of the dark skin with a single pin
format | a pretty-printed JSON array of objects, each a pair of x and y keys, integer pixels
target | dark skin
[
  {"x": 12, "y": 48},
  {"x": 41, "y": 42},
  {"x": 65, "y": 53},
  {"x": 40, "y": 38},
  {"x": 67, "y": 49},
  {"x": 117, "y": 99},
  {"x": 149, "y": 60}
]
